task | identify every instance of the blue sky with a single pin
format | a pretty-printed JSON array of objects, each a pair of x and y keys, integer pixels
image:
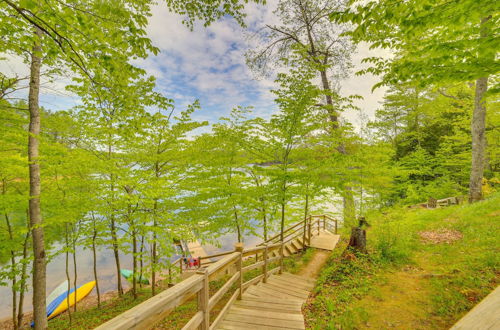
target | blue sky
[{"x": 208, "y": 64}]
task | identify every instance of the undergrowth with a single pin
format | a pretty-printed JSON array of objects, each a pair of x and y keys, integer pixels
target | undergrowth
[{"x": 450, "y": 277}]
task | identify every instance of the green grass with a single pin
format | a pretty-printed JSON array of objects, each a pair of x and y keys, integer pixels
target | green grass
[{"x": 409, "y": 282}]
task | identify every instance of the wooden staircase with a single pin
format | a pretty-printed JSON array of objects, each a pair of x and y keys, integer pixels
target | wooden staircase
[
  {"x": 271, "y": 299},
  {"x": 275, "y": 304}
]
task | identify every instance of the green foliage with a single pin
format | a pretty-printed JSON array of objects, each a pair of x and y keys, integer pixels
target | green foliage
[{"x": 454, "y": 52}]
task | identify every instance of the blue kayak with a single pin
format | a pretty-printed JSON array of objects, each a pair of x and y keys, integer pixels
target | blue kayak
[{"x": 56, "y": 302}]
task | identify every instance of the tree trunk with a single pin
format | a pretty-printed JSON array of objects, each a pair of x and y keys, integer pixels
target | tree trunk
[
  {"x": 238, "y": 228},
  {"x": 74, "y": 260},
  {"x": 141, "y": 261},
  {"x": 134, "y": 263},
  {"x": 13, "y": 268},
  {"x": 478, "y": 128},
  {"x": 114, "y": 240},
  {"x": 94, "y": 255},
  {"x": 153, "y": 257},
  {"x": 358, "y": 240},
  {"x": 67, "y": 274},
  {"x": 39, "y": 266},
  {"x": 306, "y": 212},
  {"x": 24, "y": 267},
  {"x": 349, "y": 210},
  {"x": 282, "y": 220}
]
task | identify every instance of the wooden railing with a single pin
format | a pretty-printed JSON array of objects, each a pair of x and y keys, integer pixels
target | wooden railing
[
  {"x": 305, "y": 228},
  {"x": 153, "y": 310}
]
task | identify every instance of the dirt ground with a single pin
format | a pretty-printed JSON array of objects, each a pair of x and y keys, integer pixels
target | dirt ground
[
  {"x": 401, "y": 302},
  {"x": 315, "y": 264}
]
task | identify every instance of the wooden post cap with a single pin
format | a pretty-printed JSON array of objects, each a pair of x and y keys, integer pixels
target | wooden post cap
[
  {"x": 202, "y": 271},
  {"x": 238, "y": 247}
]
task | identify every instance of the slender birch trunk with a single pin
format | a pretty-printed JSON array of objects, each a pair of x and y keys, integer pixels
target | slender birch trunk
[{"x": 36, "y": 223}]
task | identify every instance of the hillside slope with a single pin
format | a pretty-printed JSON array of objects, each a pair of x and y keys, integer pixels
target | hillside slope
[{"x": 425, "y": 269}]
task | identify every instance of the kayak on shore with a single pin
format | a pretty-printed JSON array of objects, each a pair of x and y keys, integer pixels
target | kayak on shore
[{"x": 128, "y": 275}]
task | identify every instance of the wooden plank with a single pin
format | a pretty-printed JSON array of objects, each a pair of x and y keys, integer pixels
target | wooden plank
[
  {"x": 267, "y": 314},
  {"x": 293, "y": 303},
  {"x": 264, "y": 321},
  {"x": 278, "y": 292},
  {"x": 297, "y": 284},
  {"x": 300, "y": 278},
  {"x": 230, "y": 325},
  {"x": 224, "y": 311},
  {"x": 253, "y": 250},
  {"x": 156, "y": 308},
  {"x": 484, "y": 316},
  {"x": 216, "y": 255},
  {"x": 252, "y": 281},
  {"x": 287, "y": 286},
  {"x": 222, "y": 264},
  {"x": 222, "y": 291},
  {"x": 195, "y": 321},
  {"x": 268, "y": 306},
  {"x": 253, "y": 266},
  {"x": 203, "y": 300},
  {"x": 293, "y": 293}
]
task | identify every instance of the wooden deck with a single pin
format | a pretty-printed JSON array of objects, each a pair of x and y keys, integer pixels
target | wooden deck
[
  {"x": 276, "y": 304},
  {"x": 325, "y": 240},
  {"x": 484, "y": 316}
]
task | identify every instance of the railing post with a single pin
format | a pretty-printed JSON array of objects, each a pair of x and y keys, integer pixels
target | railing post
[
  {"x": 203, "y": 300},
  {"x": 238, "y": 247},
  {"x": 281, "y": 258},
  {"x": 180, "y": 264},
  {"x": 264, "y": 270},
  {"x": 336, "y": 225},
  {"x": 324, "y": 222},
  {"x": 319, "y": 225}
]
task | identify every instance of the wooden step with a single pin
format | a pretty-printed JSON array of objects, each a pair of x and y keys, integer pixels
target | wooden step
[
  {"x": 268, "y": 306},
  {"x": 264, "y": 321},
  {"x": 265, "y": 290},
  {"x": 291, "y": 303},
  {"x": 287, "y": 291},
  {"x": 290, "y": 248},
  {"x": 292, "y": 282},
  {"x": 296, "y": 245},
  {"x": 288, "y": 286},
  {"x": 299, "y": 278}
]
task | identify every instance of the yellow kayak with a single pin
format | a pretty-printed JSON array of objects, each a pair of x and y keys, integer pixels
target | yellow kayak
[{"x": 74, "y": 297}]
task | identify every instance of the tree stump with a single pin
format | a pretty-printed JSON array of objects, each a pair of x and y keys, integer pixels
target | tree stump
[
  {"x": 432, "y": 203},
  {"x": 357, "y": 241}
]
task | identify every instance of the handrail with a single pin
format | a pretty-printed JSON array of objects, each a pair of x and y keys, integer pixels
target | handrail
[
  {"x": 286, "y": 230},
  {"x": 148, "y": 313}
]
